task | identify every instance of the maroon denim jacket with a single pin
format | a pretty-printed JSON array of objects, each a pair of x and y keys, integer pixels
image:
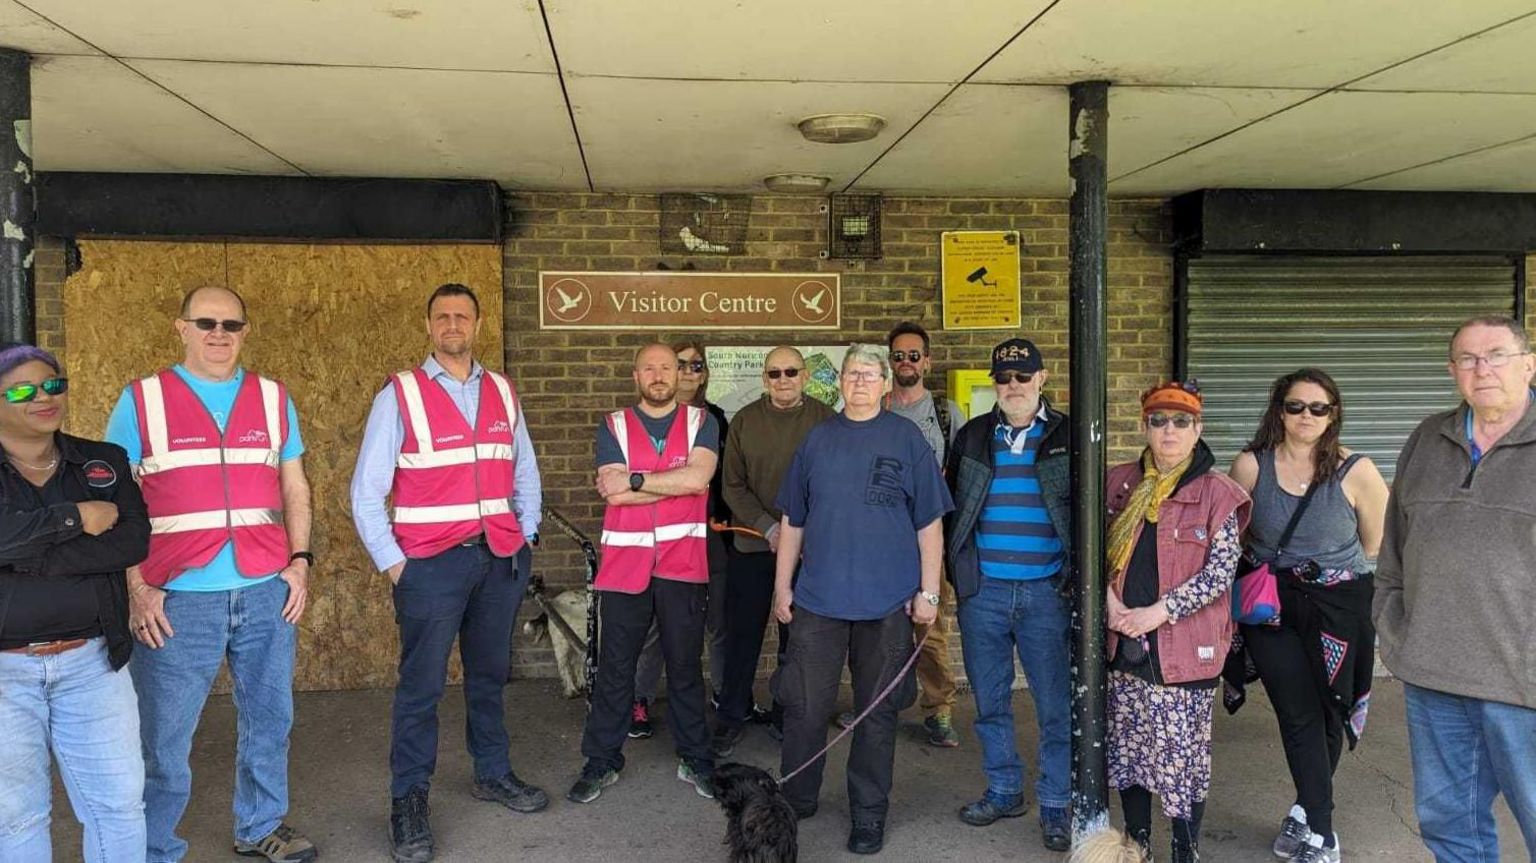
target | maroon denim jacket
[{"x": 1194, "y": 648}]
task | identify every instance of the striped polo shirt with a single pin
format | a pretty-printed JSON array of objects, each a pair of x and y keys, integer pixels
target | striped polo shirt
[{"x": 1015, "y": 536}]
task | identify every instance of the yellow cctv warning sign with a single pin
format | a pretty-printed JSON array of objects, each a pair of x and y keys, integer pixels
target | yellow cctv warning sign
[{"x": 980, "y": 280}]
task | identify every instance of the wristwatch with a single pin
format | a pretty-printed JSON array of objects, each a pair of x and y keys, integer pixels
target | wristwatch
[
  {"x": 933, "y": 598},
  {"x": 305, "y": 556},
  {"x": 636, "y": 480}
]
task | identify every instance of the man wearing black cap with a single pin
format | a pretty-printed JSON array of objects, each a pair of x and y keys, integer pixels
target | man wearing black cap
[{"x": 1007, "y": 545}]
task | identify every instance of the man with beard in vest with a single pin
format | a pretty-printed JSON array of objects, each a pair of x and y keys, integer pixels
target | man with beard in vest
[
  {"x": 654, "y": 463},
  {"x": 218, "y": 454},
  {"x": 446, "y": 441}
]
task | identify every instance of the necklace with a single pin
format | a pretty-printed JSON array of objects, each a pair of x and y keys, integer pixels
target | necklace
[{"x": 49, "y": 466}]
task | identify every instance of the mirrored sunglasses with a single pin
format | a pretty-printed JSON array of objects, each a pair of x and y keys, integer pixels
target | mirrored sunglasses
[
  {"x": 695, "y": 366},
  {"x": 906, "y": 356},
  {"x": 22, "y": 393}
]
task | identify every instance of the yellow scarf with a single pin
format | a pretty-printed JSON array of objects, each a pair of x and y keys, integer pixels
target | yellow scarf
[{"x": 1146, "y": 498}]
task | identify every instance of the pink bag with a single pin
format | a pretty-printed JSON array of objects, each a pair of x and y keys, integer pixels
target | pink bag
[{"x": 1256, "y": 596}]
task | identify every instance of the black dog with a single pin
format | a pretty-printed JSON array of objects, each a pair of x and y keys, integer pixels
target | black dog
[{"x": 761, "y": 826}]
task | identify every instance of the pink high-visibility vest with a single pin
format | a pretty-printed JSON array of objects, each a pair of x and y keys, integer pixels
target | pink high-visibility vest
[
  {"x": 452, "y": 482},
  {"x": 664, "y": 539},
  {"x": 204, "y": 487}
]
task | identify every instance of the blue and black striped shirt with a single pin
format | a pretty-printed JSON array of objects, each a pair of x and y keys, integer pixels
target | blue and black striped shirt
[{"x": 1015, "y": 537}]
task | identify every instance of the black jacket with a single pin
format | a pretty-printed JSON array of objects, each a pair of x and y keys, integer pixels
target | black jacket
[
  {"x": 969, "y": 474},
  {"x": 50, "y": 541}
]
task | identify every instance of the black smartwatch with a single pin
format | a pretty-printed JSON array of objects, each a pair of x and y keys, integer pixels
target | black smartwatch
[
  {"x": 636, "y": 480},
  {"x": 305, "y": 556}
]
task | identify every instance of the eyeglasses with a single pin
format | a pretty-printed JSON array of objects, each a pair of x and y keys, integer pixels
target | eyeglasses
[
  {"x": 695, "y": 366},
  {"x": 1180, "y": 421},
  {"x": 775, "y": 374},
  {"x": 22, "y": 393},
  {"x": 864, "y": 377},
  {"x": 1317, "y": 409},
  {"x": 1495, "y": 360},
  {"x": 906, "y": 356},
  {"x": 1003, "y": 379},
  {"x": 208, "y": 325}
]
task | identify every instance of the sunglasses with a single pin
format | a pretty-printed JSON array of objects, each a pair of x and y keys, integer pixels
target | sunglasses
[
  {"x": 1317, "y": 409},
  {"x": 775, "y": 374},
  {"x": 208, "y": 325},
  {"x": 695, "y": 366},
  {"x": 906, "y": 356},
  {"x": 1180, "y": 421},
  {"x": 23, "y": 393},
  {"x": 1003, "y": 379}
]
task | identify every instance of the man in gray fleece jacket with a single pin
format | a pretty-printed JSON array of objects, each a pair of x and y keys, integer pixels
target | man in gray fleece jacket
[{"x": 1455, "y": 597}]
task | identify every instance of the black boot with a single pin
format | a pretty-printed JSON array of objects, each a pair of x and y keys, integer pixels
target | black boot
[{"x": 410, "y": 834}]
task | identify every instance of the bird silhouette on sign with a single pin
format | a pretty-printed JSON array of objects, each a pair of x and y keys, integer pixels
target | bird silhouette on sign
[
  {"x": 567, "y": 302},
  {"x": 814, "y": 303}
]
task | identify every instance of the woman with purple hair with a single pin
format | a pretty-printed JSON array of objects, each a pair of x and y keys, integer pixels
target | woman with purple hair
[{"x": 71, "y": 522}]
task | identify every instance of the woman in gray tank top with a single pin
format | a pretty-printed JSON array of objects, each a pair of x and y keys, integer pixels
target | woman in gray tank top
[{"x": 1296, "y": 450}]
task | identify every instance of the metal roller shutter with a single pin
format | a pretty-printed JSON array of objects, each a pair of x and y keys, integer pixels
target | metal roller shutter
[{"x": 1378, "y": 325}]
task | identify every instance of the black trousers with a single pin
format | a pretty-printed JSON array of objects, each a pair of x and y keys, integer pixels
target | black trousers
[
  {"x": 623, "y": 620},
  {"x": 748, "y": 599},
  {"x": 874, "y": 650},
  {"x": 1311, "y": 731}
]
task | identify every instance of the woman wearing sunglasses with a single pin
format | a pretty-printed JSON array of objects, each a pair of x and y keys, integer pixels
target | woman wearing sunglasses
[
  {"x": 71, "y": 522},
  {"x": 1295, "y": 463},
  {"x": 1173, "y": 547}
]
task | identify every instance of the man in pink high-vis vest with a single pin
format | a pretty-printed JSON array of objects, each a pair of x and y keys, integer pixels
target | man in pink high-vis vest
[
  {"x": 218, "y": 453},
  {"x": 654, "y": 463}
]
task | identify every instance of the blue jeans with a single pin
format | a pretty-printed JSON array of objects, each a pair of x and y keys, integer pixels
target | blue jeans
[
  {"x": 74, "y": 704},
  {"x": 245, "y": 626},
  {"x": 1466, "y": 752},
  {"x": 1029, "y": 618}
]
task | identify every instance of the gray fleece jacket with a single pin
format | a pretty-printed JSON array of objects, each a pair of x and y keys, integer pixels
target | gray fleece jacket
[{"x": 1455, "y": 601}]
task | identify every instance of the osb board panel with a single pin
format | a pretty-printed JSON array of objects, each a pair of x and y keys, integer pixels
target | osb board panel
[{"x": 330, "y": 321}]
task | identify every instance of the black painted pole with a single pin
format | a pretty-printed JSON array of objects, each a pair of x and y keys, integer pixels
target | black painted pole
[
  {"x": 1088, "y": 152},
  {"x": 18, "y": 201}
]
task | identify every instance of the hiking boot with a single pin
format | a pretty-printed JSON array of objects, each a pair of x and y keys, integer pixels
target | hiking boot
[
  {"x": 283, "y": 845},
  {"x": 640, "y": 720},
  {"x": 410, "y": 834},
  {"x": 591, "y": 784},
  {"x": 941, "y": 731},
  {"x": 1055, "y": 828},
  {"x": 866, "y": 837},
  {"x": 992, "y": 807},
  {"x": 512, "y": 793},
  {"x": 727, "y": 736},
  {"x": 1293, "y": 834},
  {"x": 1313, "y": 850},
  {"x": 700, "y": 776}
]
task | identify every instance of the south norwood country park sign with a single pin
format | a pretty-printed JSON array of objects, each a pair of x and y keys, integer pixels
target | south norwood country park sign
[{"x": 666, "y": 300}]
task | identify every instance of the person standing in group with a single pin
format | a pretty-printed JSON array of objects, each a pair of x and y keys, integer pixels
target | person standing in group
[
  {"x": 692, "y": 386},
  {"x": 448, "y": 444},
  {"x": 218, "y": 454},
  {"x": 759, "y": 447},
  {"x": 1295, "y": 464},
  {"x": 863, "y": 501},
  {"x": 1455, "y": 596},
  {"x": 1008, "y": 544},
  {"x": 73, "y": 522},
  {"x": 654, "y": 463}
]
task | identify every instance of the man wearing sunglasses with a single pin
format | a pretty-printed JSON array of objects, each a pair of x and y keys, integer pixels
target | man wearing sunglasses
[
  {"x": 1007, "y": 545},
  {"x": 218, "y": 454},
  {"x": 447, "y": 444}
]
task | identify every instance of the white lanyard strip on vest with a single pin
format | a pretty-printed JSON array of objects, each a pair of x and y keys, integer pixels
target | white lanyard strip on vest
[
  {"x": 162, "y": 457},
  {"x": 416, "y": 407},
  {"x": 461, "y": 455},
  {"x": 216, "y": 519},
  {"x": 452, "y": 512}
]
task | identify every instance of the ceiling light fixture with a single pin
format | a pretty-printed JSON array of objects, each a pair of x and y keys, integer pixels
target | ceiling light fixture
[
  {"x": 796, "y": 183},
  {"x": 841, "y": 128}
]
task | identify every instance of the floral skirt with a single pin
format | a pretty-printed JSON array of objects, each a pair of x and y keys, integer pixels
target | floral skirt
[{"x": 1160, "y": 739}]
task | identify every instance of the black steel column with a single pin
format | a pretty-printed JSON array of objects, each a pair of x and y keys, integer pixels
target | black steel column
[
  {"x": 1088, "y": 153},
  {"x": 18, "y": 202}
]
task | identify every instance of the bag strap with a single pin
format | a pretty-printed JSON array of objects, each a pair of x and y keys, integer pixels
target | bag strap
[{"x": 1290, "y": 528}]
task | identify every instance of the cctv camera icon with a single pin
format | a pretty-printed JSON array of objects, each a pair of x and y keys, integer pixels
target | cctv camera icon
[{"x": 980, "y": 277}]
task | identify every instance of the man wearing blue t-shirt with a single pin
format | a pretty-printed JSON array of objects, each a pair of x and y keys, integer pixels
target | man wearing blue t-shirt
[
  {"x": 245, "y": 586},
  {"x": 863, "y": 504},
  {"x": 1007, "y": 556}
]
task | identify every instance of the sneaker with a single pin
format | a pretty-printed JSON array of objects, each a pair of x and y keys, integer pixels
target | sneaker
[
  {"x": 727, "y": 736},
  {"x": 1055, "y": 828},
  {"x": 866, "y": 837},
  {"x": 512, "y": 793},
  {"x": 640, "y": 720},
  {"x": 283, "y": 845},
  {"x": 591, "y": 784},
  {"x": 701, "y": 777},
  {"x": 990, "y": 808},
  {"x": 941, "y": 731},
  {"x": 845, "y": 719},
  {"x": 760, "y": 716},
  {"x": 1313, "y": 850},
  {"x": 410, "y": 833},
  {"x": 1293, "y": 834}
]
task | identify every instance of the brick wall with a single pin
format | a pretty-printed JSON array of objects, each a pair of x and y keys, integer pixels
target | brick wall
[{"x": 48, "y": 260}]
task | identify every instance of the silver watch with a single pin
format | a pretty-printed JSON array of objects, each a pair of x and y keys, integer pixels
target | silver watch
[{"x": 933, "y": 598}]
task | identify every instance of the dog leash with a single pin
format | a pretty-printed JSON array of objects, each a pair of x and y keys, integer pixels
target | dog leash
[
  {"x": 889, "y": 688},
  {"x": 722, "y": 527}
]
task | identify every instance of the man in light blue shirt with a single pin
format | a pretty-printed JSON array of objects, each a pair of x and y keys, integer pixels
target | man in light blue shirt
[
  {"x": 204, "y": 613},
  {"x": 470, "y": 589}
]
